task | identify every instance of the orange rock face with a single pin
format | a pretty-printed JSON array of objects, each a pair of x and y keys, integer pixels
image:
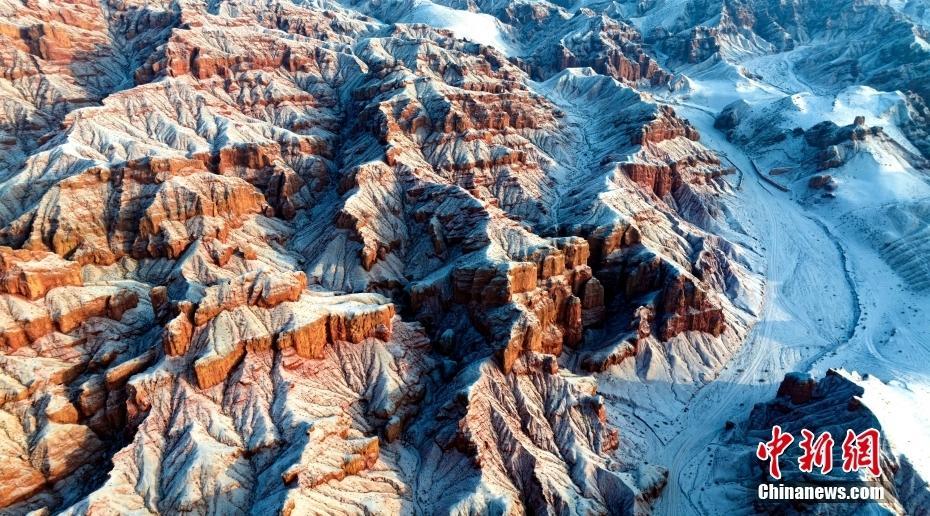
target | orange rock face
[
  {"x": 253, "y": 312},
  {"x": 688, "y": 309},
  {"x": 70, "y": 307},
  {"x": 176, "y": 337},
  {"x": 306, "y": 337},
  {"x": 263, "y": 289},
  {"x": 244, "y": 242},
  {"x": 357, "y": 325},
  {"x": 33, "y": 274}
]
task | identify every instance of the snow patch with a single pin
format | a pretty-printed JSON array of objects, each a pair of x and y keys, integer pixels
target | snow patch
[{"x": 478, "y": 27}]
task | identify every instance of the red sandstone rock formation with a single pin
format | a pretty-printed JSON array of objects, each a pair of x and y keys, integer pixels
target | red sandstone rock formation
[
  {"x": 220, "y": 235},
  {"x": 33, "y": 274}
]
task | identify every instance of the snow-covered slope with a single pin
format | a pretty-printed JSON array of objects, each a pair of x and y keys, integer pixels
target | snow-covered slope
[{"x": 479, "y": 27}]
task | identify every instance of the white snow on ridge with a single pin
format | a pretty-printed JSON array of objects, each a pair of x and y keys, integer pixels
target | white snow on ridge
[
  {"x": 478, "y": 27},
  {"x": 712, "y": 87},
  {"x": 904, "y": 425},
  {"x": 665, "y": 13},
  {"x": 877, "y": 177},
  {"x": 885, "y": 109},
  {"x": 879, "y": 193}
]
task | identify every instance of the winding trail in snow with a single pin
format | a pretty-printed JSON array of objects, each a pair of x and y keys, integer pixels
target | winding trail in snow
[
  {"x": 740, "y": 175},
  {"x": 840, "y": 249},
  {"x": 847, "y": 274},
  {"x": 788, "y": 237},
  {"x": 721, "y": 395},
  {"x": 856, "y": 304},
  {"x": 767, "y": 179}
]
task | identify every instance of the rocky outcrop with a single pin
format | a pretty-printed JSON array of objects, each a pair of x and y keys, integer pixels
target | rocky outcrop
[
  {"x": 260, "y": 288},
  {"x": 176, "y": 337},
  {"x": 225, "y": 338},
  {"x": 665, "y": 125},
  {"x": 69, "y": 307},
  {"x": 687, "y": 307},
  {"x": 835, "y": 403},
  {"x": 330, "y": 443},
  {"x": 536, "y": 305},
  {"x": 307, "y": 334},
  {"x": 159, "y": 208},
  {"x": 33, "y": 274},
  {"x": 64, "y": 309},
  {"x": 797, "y": 387},
  {"x": 223, "y": 342},
  {"x": 595, "y": 40},
  {"x": 826, "y": 134},
  {"x": 220, "y": 236},
  {"x": 676, "y": 301},
  {"x": 695, "y": 45},
  {"x": 255, "y": 311},
  {"x": 917, "y": 122},
  {"x": 63, "y": 374},
  {"x": 486, "y": 431},
  {"x": 824, "y": 181},
  {"x": 357, "y": 324},
  {"x": 592, "y": 302}
]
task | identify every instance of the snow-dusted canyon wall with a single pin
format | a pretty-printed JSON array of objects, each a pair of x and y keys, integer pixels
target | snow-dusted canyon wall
[{"x": 416, "y": 257}]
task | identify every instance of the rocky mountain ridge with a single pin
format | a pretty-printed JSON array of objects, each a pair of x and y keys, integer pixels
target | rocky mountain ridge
[{"x": 289, "y": 257}]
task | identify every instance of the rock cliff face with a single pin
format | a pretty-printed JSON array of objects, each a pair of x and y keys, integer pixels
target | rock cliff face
[
  {"x": 609, "y": 46},
  {"x": 287, "y": 257}
]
